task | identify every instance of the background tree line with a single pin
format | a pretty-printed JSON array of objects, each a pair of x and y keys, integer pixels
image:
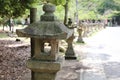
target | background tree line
[{"x": 83, "y": 9}]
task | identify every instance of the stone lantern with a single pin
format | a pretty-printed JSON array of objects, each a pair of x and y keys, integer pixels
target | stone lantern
[
  {"x": 80, "y": 32},
  {"x": 70, "y": 54},
  {"x": 45, "y": 34}
]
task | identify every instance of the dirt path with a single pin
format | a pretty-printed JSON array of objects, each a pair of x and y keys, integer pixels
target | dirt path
[{"x": 13, "y": 56}]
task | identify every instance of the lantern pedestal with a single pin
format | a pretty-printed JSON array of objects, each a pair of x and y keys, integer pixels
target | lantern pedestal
[
  {"x": 70, "y": 54},
  {"x": 80, "y": 36},
  {"x": 43, "y": 70}
]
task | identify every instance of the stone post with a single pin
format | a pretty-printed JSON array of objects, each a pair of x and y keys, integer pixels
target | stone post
[
  {"x": 70, "y": 54},
  {"x": 33, "y": 15}
]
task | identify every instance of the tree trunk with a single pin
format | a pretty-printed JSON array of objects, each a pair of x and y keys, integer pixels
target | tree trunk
[{"x": 66, "y": 12}]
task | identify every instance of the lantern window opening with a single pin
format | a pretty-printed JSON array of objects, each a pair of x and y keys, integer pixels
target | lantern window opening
[{"x": 46, "y": 48}]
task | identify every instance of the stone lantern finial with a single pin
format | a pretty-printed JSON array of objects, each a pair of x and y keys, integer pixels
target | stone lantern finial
[{"x": 49, "y": 10}]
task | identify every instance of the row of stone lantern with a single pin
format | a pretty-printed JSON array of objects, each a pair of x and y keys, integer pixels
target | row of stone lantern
[
  {"x": 45, "y": 35},
  {"x": 89, "y": 28}
]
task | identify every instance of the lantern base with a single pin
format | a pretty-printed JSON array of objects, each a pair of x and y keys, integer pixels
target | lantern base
[
  {"x": 43, "y": 70},
  {"x": 70, "y": 57}
]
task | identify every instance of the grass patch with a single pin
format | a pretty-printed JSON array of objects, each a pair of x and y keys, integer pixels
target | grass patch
[
  {"x": 78, "y": 58},
  {"x": 80, "y": 43},
  {"x": 3, "y": 35}
]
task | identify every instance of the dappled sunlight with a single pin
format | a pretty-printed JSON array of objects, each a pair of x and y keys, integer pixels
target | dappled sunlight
[{"x": 11, "y": 42}]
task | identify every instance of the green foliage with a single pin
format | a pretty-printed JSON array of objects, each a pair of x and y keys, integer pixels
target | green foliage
[
  {"x": 72, "y": 9},
  {"x": 113, "y": 14},
  {"x": 87, "y": 15},
  {"x": 108, "y": 5},
  {"x": 88, "y": 9},
  {"x": 56, "y": 2},
  {"x": 97, "y": 9},
  {"x": 59, "y": 12},
  {"x": 15, "y": 8},
  {"x": 117, "y": 1},
  {"x": 60, "y": 2}
]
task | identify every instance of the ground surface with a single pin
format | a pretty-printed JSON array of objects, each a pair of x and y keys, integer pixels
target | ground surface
[
  {"x": 13, "y": 56},
  {"x": 98, "y": 59},
  {"x": 102, "y": 54}
]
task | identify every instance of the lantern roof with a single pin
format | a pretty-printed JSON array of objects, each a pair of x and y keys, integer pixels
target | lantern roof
[{"x": 47, "y": 27}]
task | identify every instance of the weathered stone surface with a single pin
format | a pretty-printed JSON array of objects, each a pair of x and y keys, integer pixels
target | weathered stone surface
[
  {"x": 43, "y": 70},
  {"x": 44, "y": 30},
  {"x": 42, "y": 66},
  {"x": 80, "y": 39},
  {"x": 70, "y": 54},
  {"x": 41, "y": 51},
  {"x": 44, "y": 76}
]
